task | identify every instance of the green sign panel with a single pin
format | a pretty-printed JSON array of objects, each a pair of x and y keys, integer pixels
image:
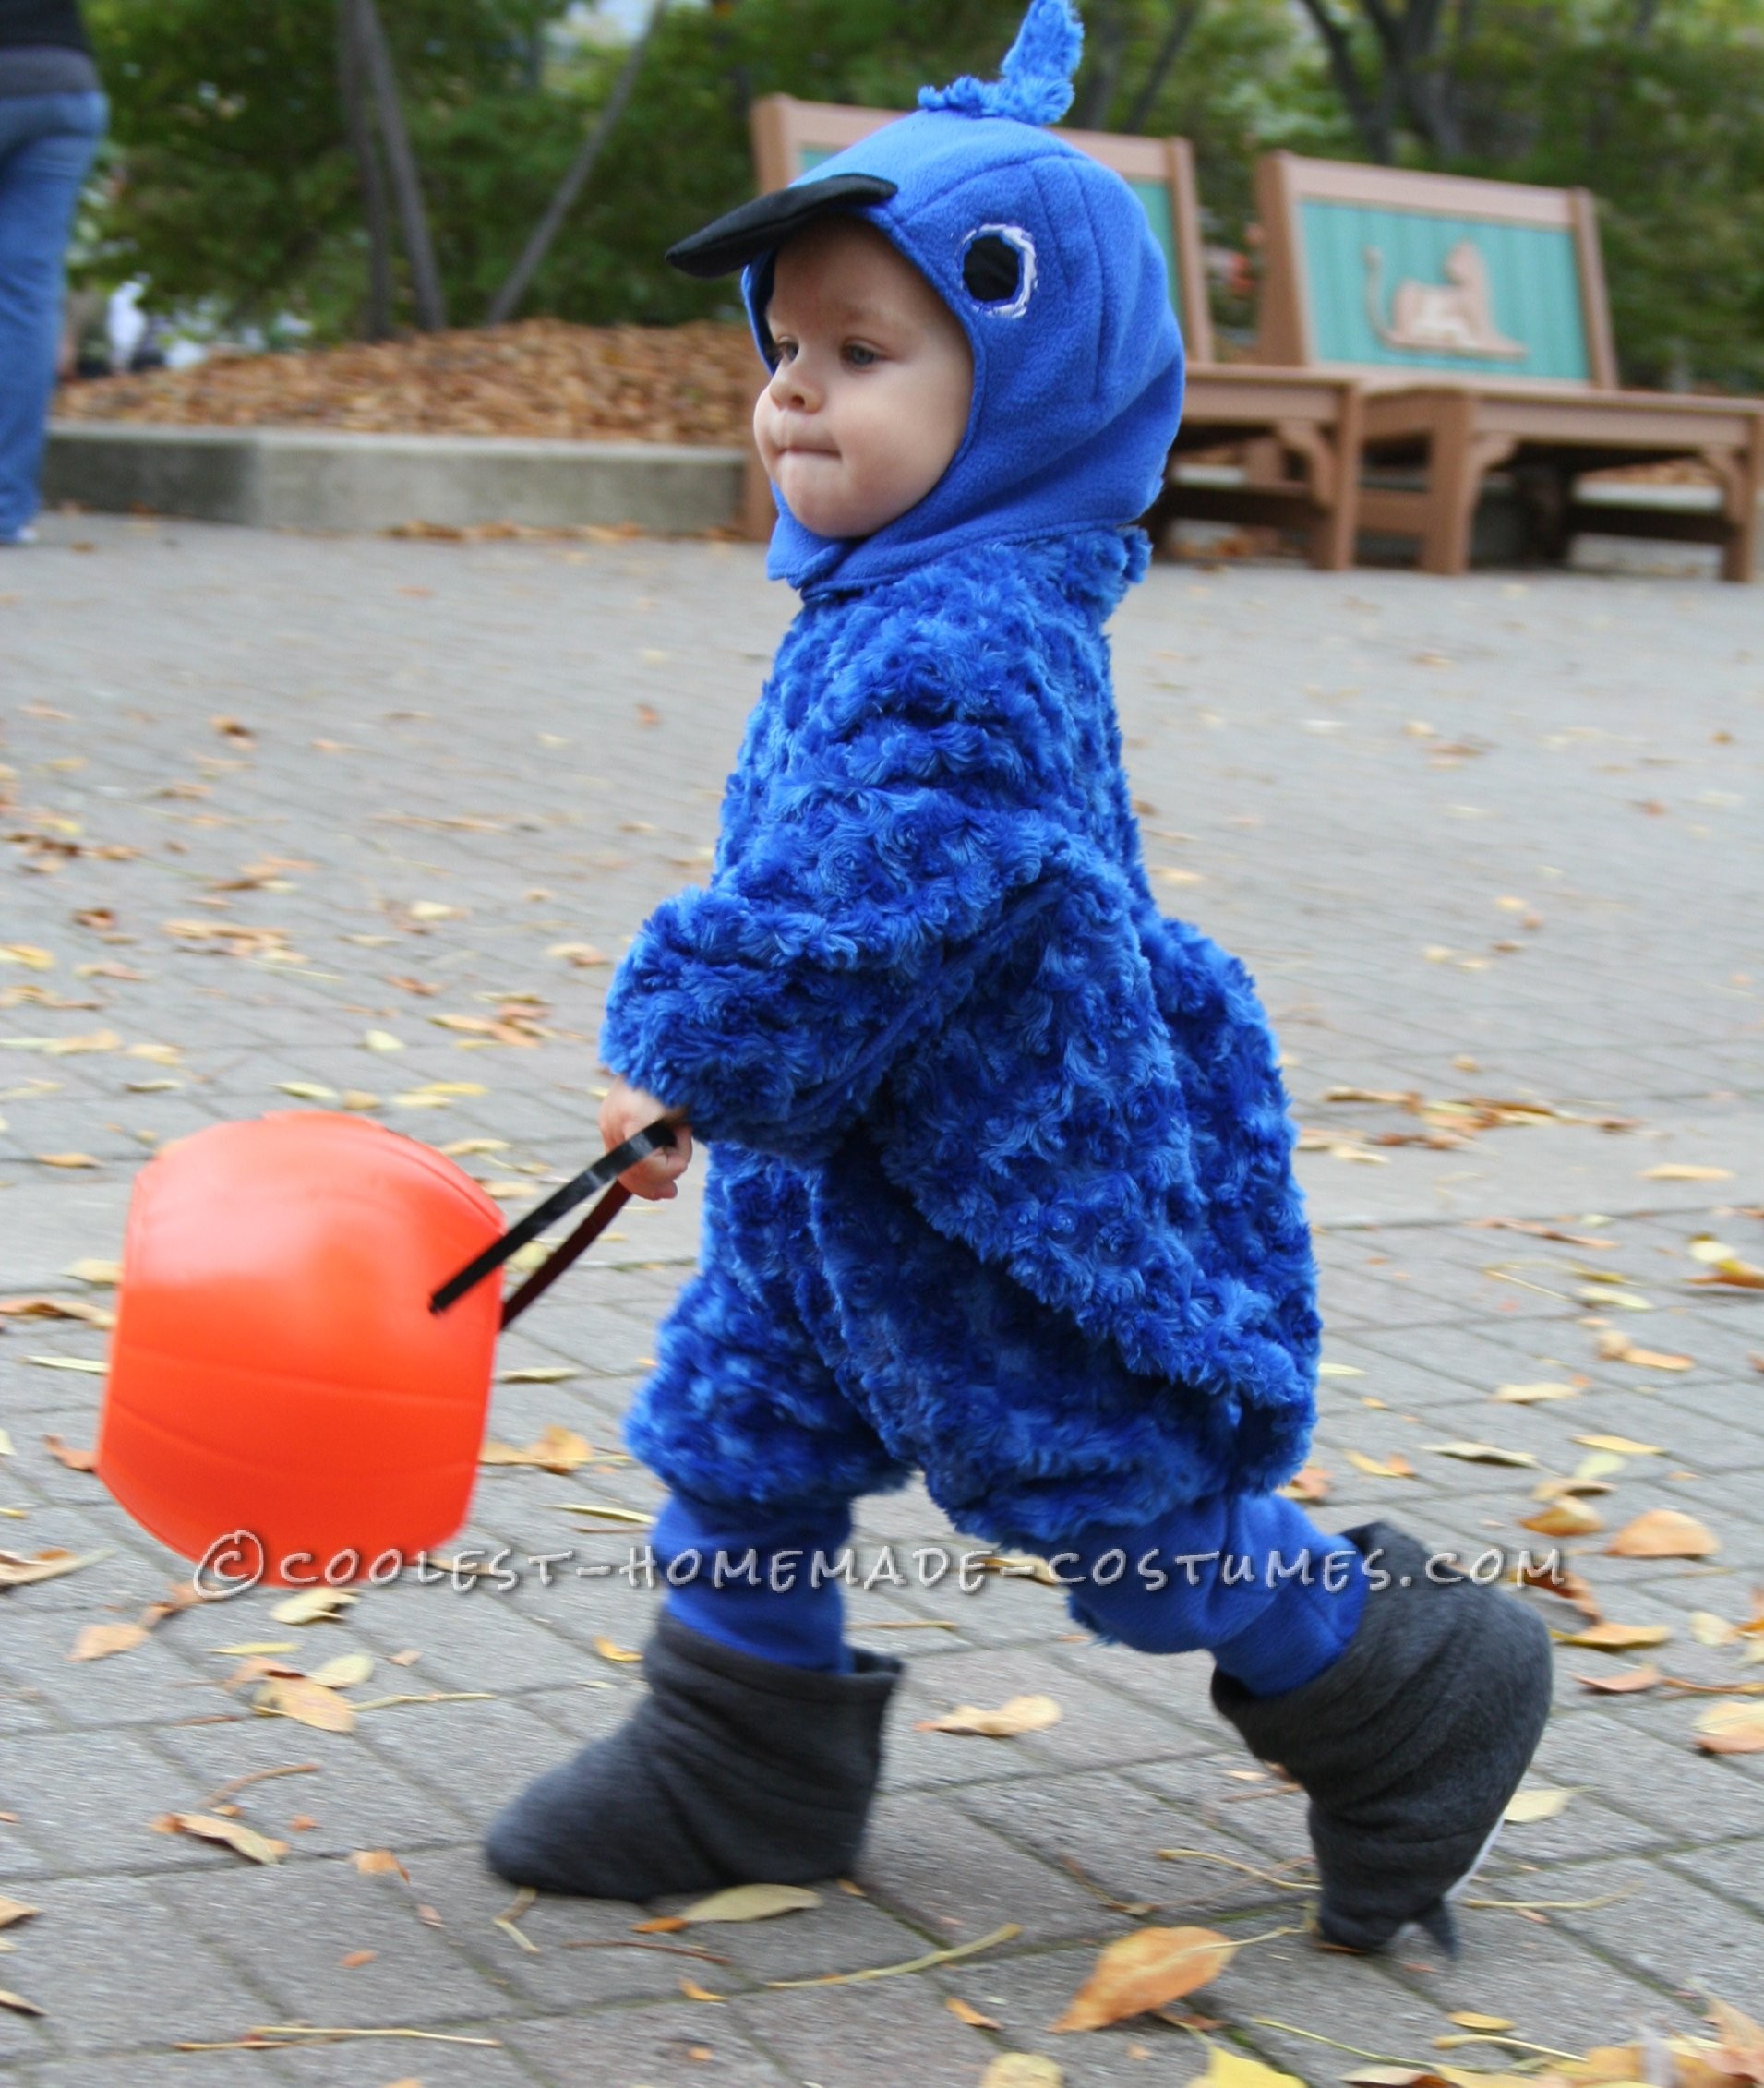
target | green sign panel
[{"x": 1407, "y": 290}]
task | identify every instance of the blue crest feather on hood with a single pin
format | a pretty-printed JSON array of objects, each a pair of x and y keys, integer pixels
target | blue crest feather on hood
[
  {"x": 1077, "y": 373},
  {"x": 1036, "y": 82}
]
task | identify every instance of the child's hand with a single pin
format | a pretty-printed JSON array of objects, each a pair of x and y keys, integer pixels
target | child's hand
[{"x": 628, "y": 1110}]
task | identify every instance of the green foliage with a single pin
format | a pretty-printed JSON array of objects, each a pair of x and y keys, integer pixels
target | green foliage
[
  {"x": 231, "y": 179},
  {"x": 681, "y": 154},
  {"x": 1665, "y": 125}
]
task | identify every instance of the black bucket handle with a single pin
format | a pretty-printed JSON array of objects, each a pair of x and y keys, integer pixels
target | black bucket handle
[{"x": 653, "y": 1138}]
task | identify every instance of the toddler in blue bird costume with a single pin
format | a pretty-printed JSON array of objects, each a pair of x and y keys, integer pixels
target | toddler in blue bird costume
[{"x": 1001, "y": 1186}]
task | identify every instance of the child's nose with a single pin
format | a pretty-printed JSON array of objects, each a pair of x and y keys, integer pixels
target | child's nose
[{"x": 793, "y": 386}]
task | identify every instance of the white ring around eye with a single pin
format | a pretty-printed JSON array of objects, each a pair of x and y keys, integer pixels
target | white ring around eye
[{"x": 1013, "y": 236}]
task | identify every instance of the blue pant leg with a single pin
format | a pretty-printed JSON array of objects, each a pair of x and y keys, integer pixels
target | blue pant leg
[
  {"x": 745, "y": 1422},
  {"x": 1248, "y": 1577},
  {"x": 46, "y": 146},
  {"x": 750, "y": 1581}
]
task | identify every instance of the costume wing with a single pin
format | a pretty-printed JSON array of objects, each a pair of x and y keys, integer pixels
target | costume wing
[{"x": 867, "y": 874}]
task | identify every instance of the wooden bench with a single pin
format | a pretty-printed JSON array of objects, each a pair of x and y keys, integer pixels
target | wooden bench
[
  {"x": 1475, "y": 314},
  {"x": 1307, "y": 423}
]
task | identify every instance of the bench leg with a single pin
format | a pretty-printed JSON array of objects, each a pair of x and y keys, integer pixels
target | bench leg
[
  {"x": 1451, "y": 490},
  {"x": 1334, "y": 533},
  {"x": 1460, "y": 459},
  {"x": 1739, "y": 546}
]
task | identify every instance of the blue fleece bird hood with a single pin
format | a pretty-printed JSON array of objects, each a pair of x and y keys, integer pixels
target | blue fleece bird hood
[{"x": 1046, "y": 259}]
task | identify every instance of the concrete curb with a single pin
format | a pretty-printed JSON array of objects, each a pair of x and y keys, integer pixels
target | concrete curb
[{"x": 292, "y": 478}]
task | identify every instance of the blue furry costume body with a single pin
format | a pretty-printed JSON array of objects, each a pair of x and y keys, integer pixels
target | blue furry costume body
[
  {"x": 1001, "y": 1175},
  {"x": 999, "y": 1182}
]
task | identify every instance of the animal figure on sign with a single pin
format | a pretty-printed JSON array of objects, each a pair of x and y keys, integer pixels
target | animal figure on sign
[{"x": 1454, "y": 317}]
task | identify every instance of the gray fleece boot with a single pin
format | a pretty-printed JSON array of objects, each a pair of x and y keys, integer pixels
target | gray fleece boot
[
  {"x": 732, "y": 1771},
  {"x": 1409, "y": 1744}
]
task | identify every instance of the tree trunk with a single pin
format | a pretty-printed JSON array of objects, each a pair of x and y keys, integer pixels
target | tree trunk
[
  {"x": 360, "y": 127},
  {"x": 504, "y": 303},
  {"x": 1183, "y": 16},
  {"x": 425, "y": 281},
  {"x": 1371, "y": 115},
  {"x": 1105, "y": 46}
]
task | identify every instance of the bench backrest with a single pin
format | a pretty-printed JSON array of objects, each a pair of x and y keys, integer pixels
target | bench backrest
[
  {"x": 1388, "y": 273},
  {"x": 792, "y": 137}
]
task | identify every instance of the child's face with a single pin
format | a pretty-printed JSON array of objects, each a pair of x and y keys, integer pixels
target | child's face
[{"x": 869, "y": 399}]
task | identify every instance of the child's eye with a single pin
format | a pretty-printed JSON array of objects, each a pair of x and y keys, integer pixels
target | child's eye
[
  {"x": 860, "y": 356},
  {"x": 787, "y": 347}
]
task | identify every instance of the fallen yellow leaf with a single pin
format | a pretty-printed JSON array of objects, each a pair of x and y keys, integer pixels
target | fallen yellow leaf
[
  {"x": 1738, "y": 1274},
  {"x": 559, "y": 1450},
  {"x": 1020, "y": 1714},
  {"x": 1564, "y": 1517},
  {"x": 1015, "y": 2069},
  {"x": 1523, "y": 1807},
  {"x": 1309, "y": 1483},
  {"x": 75, "y": 1458},
  {"x": 1708, "y": 1629},
  {"x": 1664, "y": 1533},
  {"x": 748, "y": 1902},
  {"x": 1618, "y": 1349},
  {"x": 1620, "y": 1446},
  {"x": 1147, "y": 1970},
  {"x": 312, "y": 1605},
  {"x": 1231, "y": 2069},
  {"x": 609, "y": 1649},
  {"x": 1618, "y": 1637},
  {"x": 964, "y": 2012},
  {"x": 209, "y": 1827},
  {"x": 96, "y": 1270},
  {"x": 1484, "y": 1454},
  {"x": 307, "y": 1703},
  {"x": 16, "y": 1571},
  {"x": 98, "y": 1642},
  {"x": 1731, "y": 1729},
  {"x": 1395, "y": 1466},
  {"x": 1629, "y": 1683},
  {"x": 344, "y": 1673},
  {"x": 378, "y": 1863},
  {"x": 1531, "y": 1395},
  {"x": 1685, "y": 1170},
  {"x": 14, "y": 1910}
]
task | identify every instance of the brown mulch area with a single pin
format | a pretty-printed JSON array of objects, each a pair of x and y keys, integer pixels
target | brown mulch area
[{"x": 692, "y": 383}]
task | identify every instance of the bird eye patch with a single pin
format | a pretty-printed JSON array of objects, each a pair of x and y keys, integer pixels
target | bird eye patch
[{"x": 997, "y": 268}]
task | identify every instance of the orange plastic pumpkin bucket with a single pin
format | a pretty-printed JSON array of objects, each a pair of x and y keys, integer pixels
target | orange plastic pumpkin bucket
[{"x": 276, "y": 1367}]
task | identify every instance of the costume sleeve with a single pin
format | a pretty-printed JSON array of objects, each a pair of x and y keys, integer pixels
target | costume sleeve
[{"x": 890, "y": 855}]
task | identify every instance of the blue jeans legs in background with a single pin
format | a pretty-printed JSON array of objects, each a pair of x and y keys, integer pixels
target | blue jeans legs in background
[{"x": 46, "y": 146}]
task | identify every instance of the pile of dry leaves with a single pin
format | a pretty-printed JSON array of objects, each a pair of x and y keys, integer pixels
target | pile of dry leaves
[{"x": 692, "y": 383}]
